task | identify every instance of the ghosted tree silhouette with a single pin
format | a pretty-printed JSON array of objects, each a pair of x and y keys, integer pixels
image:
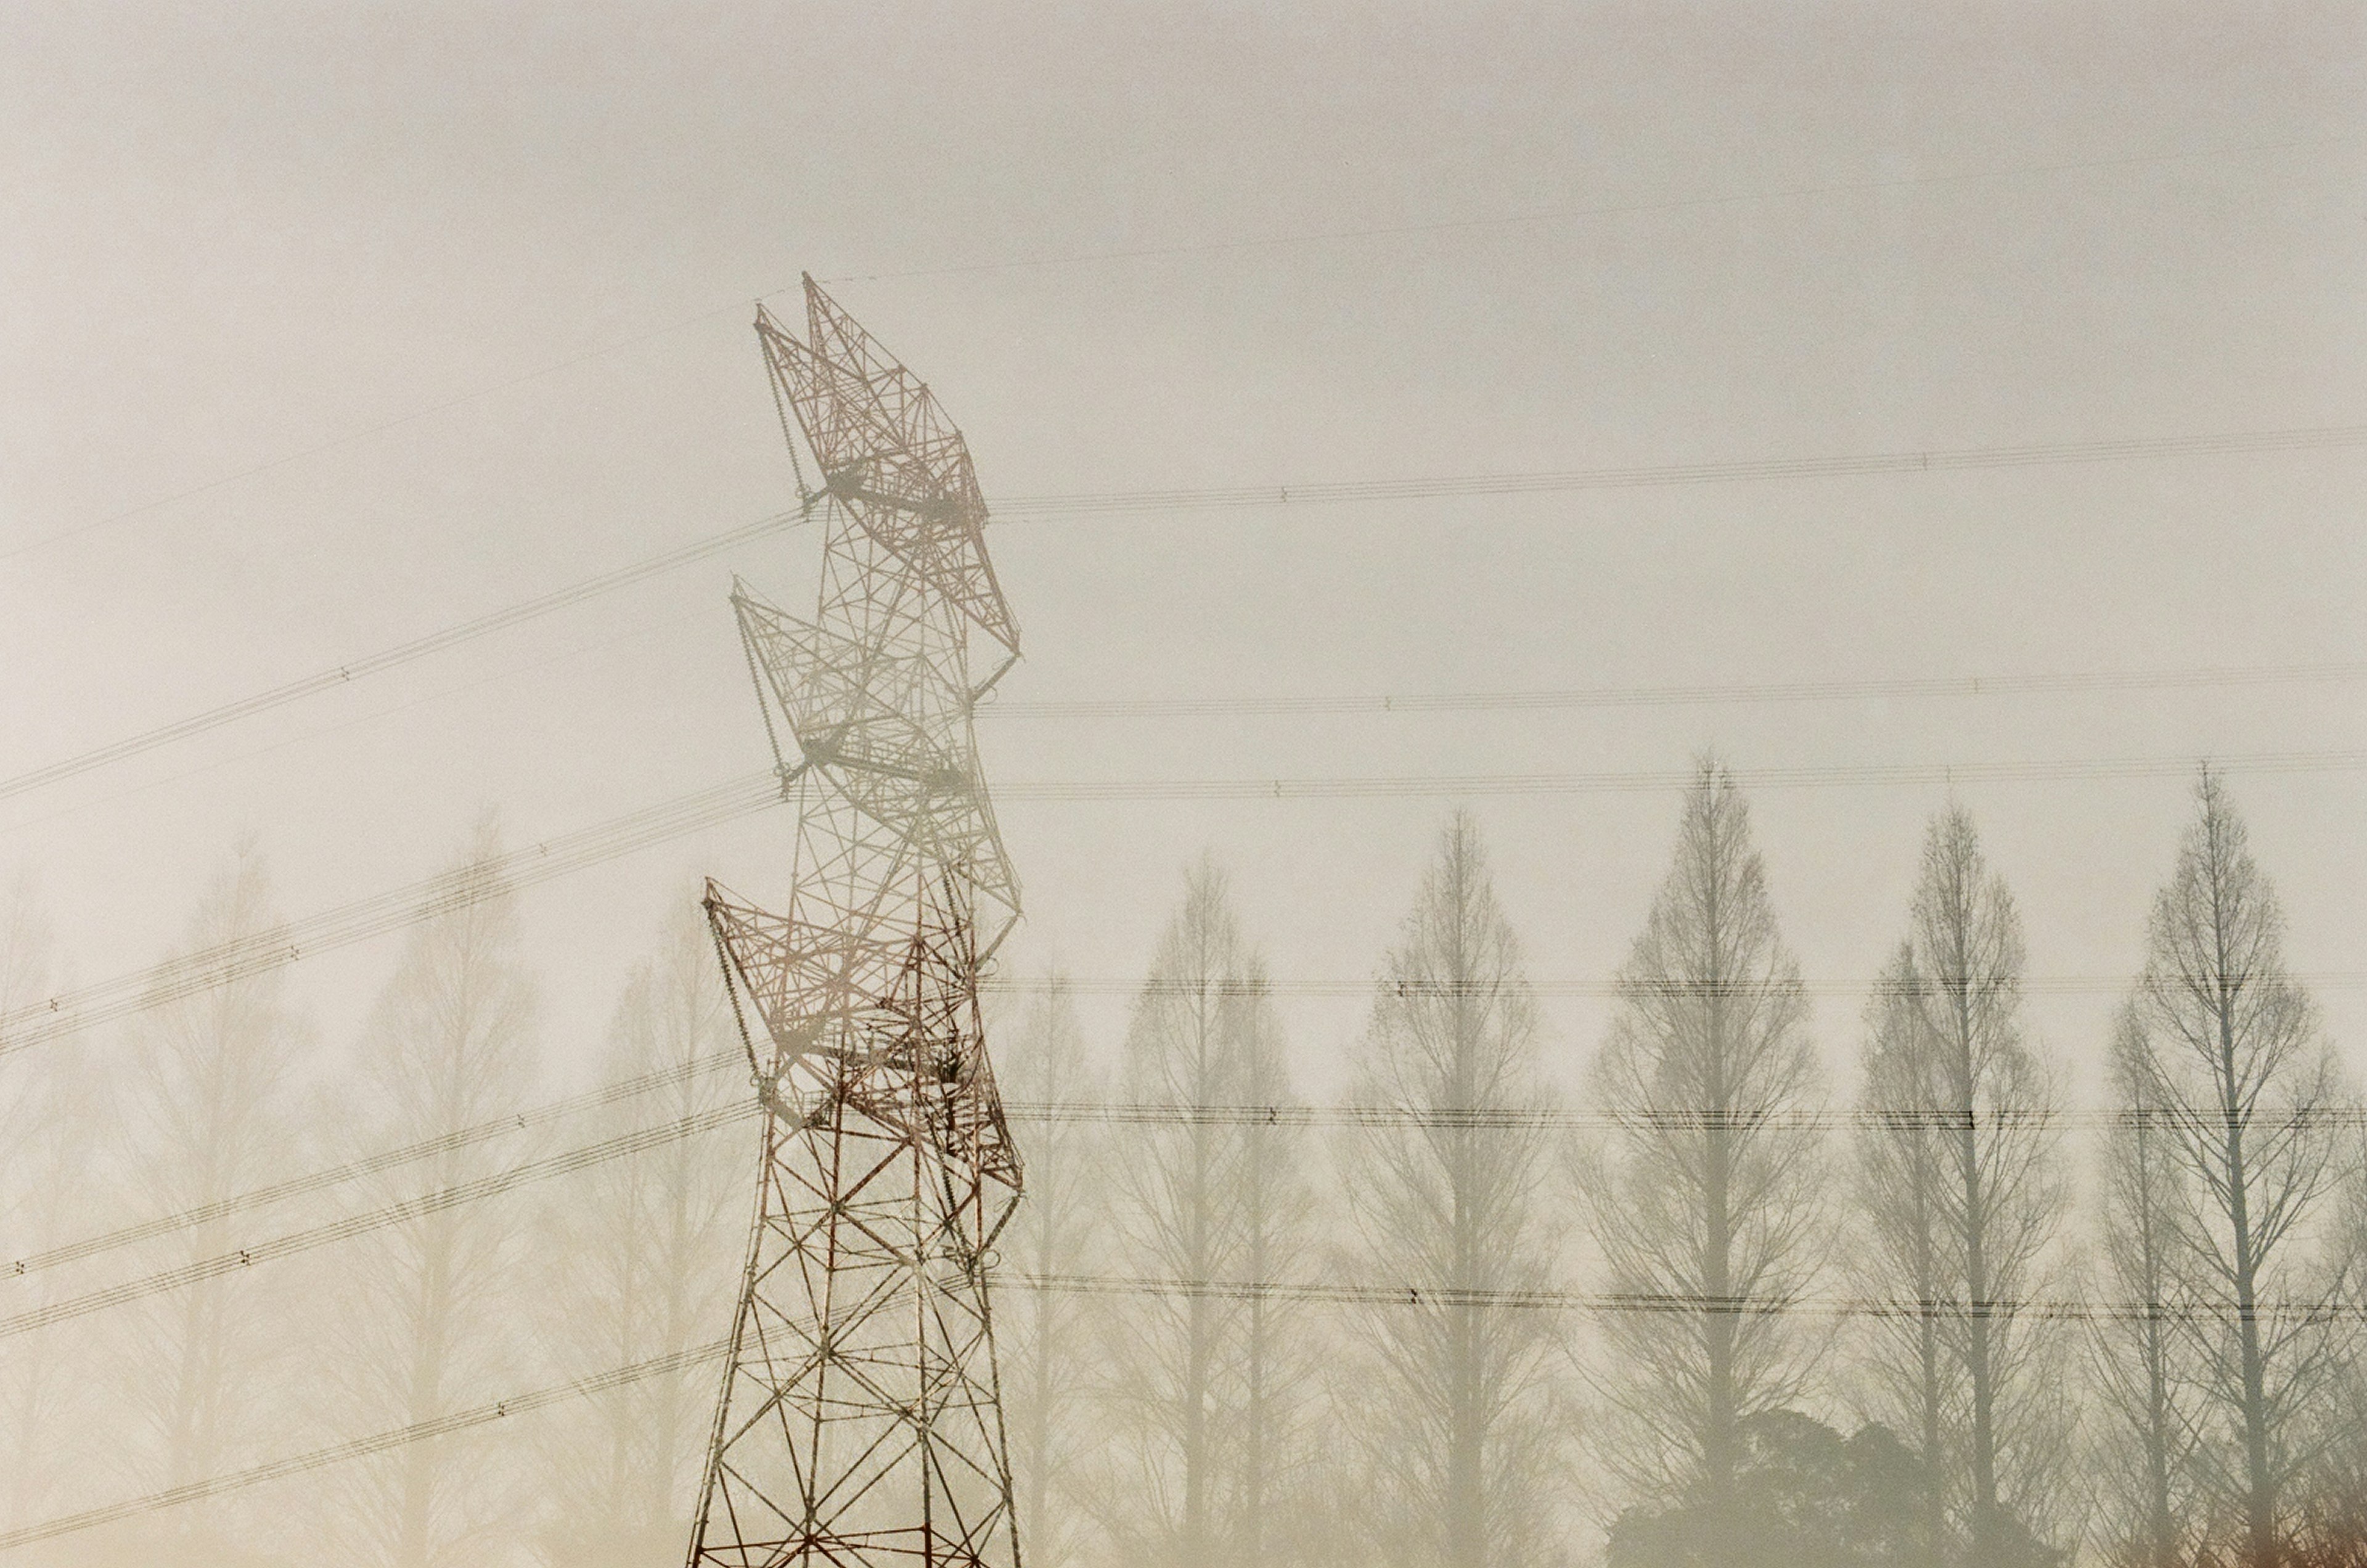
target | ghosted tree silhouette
[
  {"x": 1709, "y": 1188},
  {"x": 1200, "y": 1386},
  {"x": 1453, "y": 1408},
  {"x": 643, "y": 1257},
  {"x": 431, "y": 1317},
  {"x": 1043, "y": 1337}
]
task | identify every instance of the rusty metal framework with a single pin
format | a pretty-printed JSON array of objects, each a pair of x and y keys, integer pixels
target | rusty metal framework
[{"x": 860, "y": 1421}]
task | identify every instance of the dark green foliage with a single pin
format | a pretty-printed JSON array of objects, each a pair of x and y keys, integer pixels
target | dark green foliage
[{"x": 1808, "y": 1497}]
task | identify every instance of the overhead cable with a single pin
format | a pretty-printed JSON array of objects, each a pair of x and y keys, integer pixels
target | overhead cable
[
  {"x": 1676, "y": 696},
  {"x": 374, "y": 1165},
  {"x": 401, "y": 653},
  {"x": 2013, "y": 171},
  {"x": 1046, "y": 508},
  {"x": 1852, "y": 775},
  {"x": 1124, "y": 502},
  {"x": 193, "y": 974},
  {"x": 208, "y": 968},
  {"x": 239, "y": 1259},
  {"x": 1672, "y": 1120},
  {"x": 1608, "y": 988},
  {"x": 1687, "y": 1305},
  {"x": 1036, "y": 1112},
  {"x": 1412, "y": 1296},
  {"x": 363, "y": 1447}
]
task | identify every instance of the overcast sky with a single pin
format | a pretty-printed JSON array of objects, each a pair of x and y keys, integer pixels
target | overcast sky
[{"x": 1138, "y": 247}]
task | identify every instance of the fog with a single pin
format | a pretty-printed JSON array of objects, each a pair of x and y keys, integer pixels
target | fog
[{"x": 1677, "y": 665}]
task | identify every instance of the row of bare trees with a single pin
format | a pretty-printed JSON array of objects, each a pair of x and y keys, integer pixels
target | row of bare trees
[
  {"x": 1733, "y": 1317},
  {"x": 1712, "y": 1308},
  {"x": 1193, "y": 1416},
  {"x": 213, "y": 1099}
]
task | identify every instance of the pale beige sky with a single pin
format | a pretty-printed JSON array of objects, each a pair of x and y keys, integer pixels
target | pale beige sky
[{"x": 1792, "y": 230}]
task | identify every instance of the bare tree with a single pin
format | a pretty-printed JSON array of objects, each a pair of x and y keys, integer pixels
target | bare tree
[
  {"x": 1182, "y": 1217},
  {"x": 430, "y": 1314},
  {"x": 1708, "y": 1198},
  {"x": 210, "y": 1115},
  {"x": 1453, "y": 1409},
  {"x": 1198, "y": 1375},
  {"x": 1903, "y": 1173},
  {"x": 644, "y": 1256},
  {"x": 2138, "y": 1364},
  {"x": 2246, "y": 1079},
  {"x": 1276, "y": 1204},
  {"x": 1960, "y": 1064},
  {"x": 1043, "y": 1336},
  {"x": 50, "y": 1120}
]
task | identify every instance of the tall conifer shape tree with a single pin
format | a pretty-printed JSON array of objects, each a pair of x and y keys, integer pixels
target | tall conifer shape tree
[
  {"x": 2139, "y": 1363},
  {"x": 1453, "y": 1408},
  {"x": 1903, "y": 1170},
  {"x": 50, "y": 1110},
  {"x": 210, "y": 1118},
  {"x": 1277, "y": 1203},
  {"x": 449, "y": 1045},
  {"x": 1950, "y": 1060},
  {"x": 2246, "y": 1079},
  {"x": 1709, "y": 1193},
  {"x": 645, "y": 1257},
  {"x": 1199, "y": 1380},
  {"x": 1042, "y": 1335}
]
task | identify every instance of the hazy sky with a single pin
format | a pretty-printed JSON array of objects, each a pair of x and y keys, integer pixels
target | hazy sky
[{"x": 1640, "y": 235}]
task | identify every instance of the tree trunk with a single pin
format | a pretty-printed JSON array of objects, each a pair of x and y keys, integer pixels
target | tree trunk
[
  {"x": 414, "y": 1518},
  {"x": 2259, "y": 1485},
  {"x": 1977, "y": 1280}
]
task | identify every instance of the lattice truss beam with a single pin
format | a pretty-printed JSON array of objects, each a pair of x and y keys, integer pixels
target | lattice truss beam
[{"x": 860, "y": 1420}]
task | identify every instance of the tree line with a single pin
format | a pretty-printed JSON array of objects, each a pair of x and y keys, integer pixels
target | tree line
[
  {"x": 1733, "y": 1318},
  {"x": 1718, "y": 1310},
  {"x": 165, "y": 1136}
]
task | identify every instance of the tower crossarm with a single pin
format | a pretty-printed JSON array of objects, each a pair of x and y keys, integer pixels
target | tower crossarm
[
  {"x": 888, "y": 732},
  {"x": 890, "y": 454}
]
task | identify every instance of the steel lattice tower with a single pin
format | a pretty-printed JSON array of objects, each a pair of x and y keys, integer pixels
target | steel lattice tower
[{"x": 860, "y": 1420}]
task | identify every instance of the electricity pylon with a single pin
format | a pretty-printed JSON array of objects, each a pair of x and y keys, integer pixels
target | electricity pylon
[{"x": 860, "y": 1421}]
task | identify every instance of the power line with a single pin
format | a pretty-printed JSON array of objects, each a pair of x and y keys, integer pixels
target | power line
[
  {"x": 401, "y": 654},
  {"x": 571, "y": 653},
  {"x": 1563, "y": 1118},
  {"x": 1410, "y": 1295},
  {"x": 643, "y": 1140},
  {"x": 1673, "y": 696},
  {"x": 1040, "y": 1113},
  {"x": 211, "y": 967},
  {"x": 1116, "y": 986},
  {"x": 239, "y": 1259},
  {"x": 1049, "y": 508},
  {"x": 1830, "y": 776},
  {"x": 363, "y": 1447},
  {"x": 1121, "y": 502},
  {"x": 375, "y": 1165},
  {"x": 1516, "y": 219},
  {"x": 1689, "y": 1304}
]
